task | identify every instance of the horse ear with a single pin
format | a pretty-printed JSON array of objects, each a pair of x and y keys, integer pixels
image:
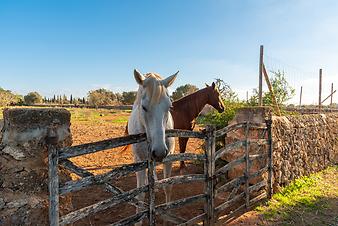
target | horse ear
[
  {"x": 213, "y": 85},
  {"x": 206, "y": 85},
  {"x": 170, "y": 80},
  {"x": 138, "y": 77}
]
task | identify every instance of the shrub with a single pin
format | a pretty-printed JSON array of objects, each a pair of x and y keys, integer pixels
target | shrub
[{"x": 33, "y": 98}]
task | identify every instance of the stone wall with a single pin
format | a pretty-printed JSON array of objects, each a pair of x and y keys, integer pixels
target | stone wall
[
  {"x": 303, "y": 144},
  {"x": 24, "y": 164}
]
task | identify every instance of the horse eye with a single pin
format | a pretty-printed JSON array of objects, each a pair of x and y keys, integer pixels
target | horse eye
[{"x": 144, "y": 108}]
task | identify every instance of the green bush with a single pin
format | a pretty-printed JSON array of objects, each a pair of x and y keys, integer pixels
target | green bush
[{"x": 221, "y": 120}]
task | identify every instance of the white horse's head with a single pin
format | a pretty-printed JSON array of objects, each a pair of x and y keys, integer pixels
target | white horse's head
[{"x": 153, "y": 104}]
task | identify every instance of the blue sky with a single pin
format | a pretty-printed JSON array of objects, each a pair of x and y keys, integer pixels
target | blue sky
[{"x": 73, "y": 46}]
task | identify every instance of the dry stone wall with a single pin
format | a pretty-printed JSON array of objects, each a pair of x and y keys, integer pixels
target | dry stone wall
[{"x": 303, "y": 144}]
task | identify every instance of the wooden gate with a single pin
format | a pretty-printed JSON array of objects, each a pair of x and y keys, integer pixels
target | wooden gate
[{"x": 212, "y": 214}]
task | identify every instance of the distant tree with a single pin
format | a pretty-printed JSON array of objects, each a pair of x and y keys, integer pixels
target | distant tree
[
  {"x": 101, "y": 97},
  {"x": 64, "y": 99},
  {"x": 54, "y": 99},
  {"x": 9, "y": 98},
  {"x": 71, "y": 99},
  {"x": 225, "y": 90},
  {"x": 33, "y": 98},
  {"x": 184, "y": 90},
  {"x": 83, "y": 101},
  {"x": 128, "y": 97}
]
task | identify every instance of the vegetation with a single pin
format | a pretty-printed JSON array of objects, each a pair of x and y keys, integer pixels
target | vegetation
[
  {"x": 8, "y": 98},
  {"x": 33, "y": 98},
  {"x": 308, "y": 200},
  {"x": 101, "y": 97},
  {"x": 184, "y": 90},
  {"x": 128, "y": 97},
  {"x": 282, "y": 90}
]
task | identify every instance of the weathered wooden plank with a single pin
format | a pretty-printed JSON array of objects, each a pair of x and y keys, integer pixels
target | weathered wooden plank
[
  {"x": 74, "y": 168},
  {"x": 233, "y": 183},
  {"x": 230, "y": 165},
  {"x": 227, "y": 204},
  {"x": 247, "y": 167},
  {"x": 257, "y": 186},
  {"x": 184, "y": 133},
  {"x": 102, "y": 205},
  {"x": 194, "y": 220},
  {"x": 210, "y": 151},
  {"x": 256, "y": 156},
  {"x": 225, "y": 130},
  {"x": 180, "y": 202},
  {"x": 73, "y": 151},
  {"x": 131, "y": 220},
  {"x": 230, "y": 128},
  {"x": 109, "y": 187},
  {"x": 184, "y": 157},
  {"x": 258, "y": 173},
  {"x": 270, "y": 157},
  {"x": 53, "y": 185},
  {"x": 71, "y": 186},
  {"x": 258, "y": 141},
  {"x": 258, "y": 198},
  {"x": 82, "y": 149},
  {"x": 223, "y": 220},
  {"x": 151, "y": 184},
  {"x": 179, "y": 180},
  {"x": 229, "y": 148},
  {"x": 171, "y": 218}
]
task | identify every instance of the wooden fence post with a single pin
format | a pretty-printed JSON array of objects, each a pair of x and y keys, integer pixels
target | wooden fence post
[
  {"x": 331, "y": 95},
  {"x": 247, "y": 166},
  {"x": 53, "y": 185},
  {"x": 151, "y": 183},
  {"x": 270, "y": 158},
  {"x": 210, "y": 170},
  {"x": 300, "y": 97},
  {"x": 260, "y": 85},
  {"x": 320, "y": 90}
]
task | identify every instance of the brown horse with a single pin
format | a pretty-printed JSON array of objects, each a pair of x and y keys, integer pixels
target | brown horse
[{"x": 185, "y": 110}]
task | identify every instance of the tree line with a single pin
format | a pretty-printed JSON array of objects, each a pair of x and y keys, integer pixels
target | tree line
[{"x": 105, "y": 97}]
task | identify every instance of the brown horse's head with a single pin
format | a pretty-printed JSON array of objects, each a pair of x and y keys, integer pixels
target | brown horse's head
[{"x": 214, "y": 98}]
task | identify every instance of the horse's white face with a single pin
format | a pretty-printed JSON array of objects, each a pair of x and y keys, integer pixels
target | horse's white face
[{"x": 153, "y": 106}]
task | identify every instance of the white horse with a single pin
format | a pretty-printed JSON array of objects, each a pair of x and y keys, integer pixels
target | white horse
[{"x": 151, "y": 115}]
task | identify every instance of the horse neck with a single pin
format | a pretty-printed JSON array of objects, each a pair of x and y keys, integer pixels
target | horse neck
[{"x": 195, "y": 103}]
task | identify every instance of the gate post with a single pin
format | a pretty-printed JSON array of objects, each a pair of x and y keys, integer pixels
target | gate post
[
  {"x": 270, "y": 155},
  {"x": 53, "y": 176},
  {"x": 151, "y": 184},
  {"x": 247, "y": 166},
  {"x": 210, "y": 172}
]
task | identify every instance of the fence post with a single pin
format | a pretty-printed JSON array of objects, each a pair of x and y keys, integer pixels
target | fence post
[
  {"x": 270, "y": 158},
  {"x": 53, "y": 185},
  {"x": 210, "y": 171},
  {"x": 151, "y": 183},
  {"x": 320, "y": 91},
  {"x": 260, "y": 84},
  {"x": 247, "y": 166}
]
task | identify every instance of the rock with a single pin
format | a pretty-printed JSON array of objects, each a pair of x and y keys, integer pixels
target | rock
[{"x": 14, "y": 152}]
